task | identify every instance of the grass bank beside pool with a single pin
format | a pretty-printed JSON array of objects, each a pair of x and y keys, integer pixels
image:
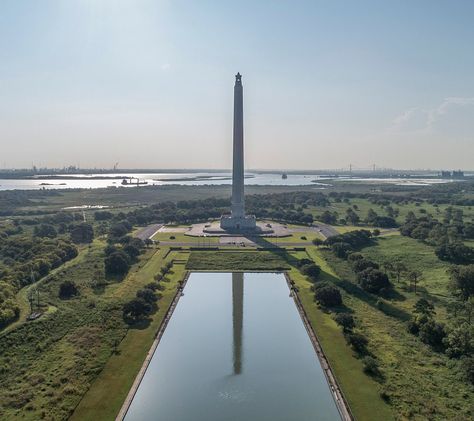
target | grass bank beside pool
[
  {"x": 108, "y": 392},
  {"x": 238, "y": 261},
  {"x": 361, "y": 392}
]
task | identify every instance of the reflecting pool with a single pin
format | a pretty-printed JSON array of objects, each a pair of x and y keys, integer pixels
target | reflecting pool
[{"x": 234, "y": 349}]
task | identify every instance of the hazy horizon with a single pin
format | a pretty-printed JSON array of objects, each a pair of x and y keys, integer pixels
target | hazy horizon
[{"x": 149, "y": 84}]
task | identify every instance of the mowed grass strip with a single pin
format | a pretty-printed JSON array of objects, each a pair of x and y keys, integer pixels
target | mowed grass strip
[
  {"x": 108, "y": 392},
  {"x": 238, "y": 261}
]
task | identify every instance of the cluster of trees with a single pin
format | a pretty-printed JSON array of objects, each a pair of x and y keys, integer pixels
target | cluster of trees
[
  {"x": 23, "y": 261},
  {"x": 119, "y": 257},
  {"x": 447, "y": 236},
  {"x": 325, "y": 293},
  {"x": 425, "y": 327},
  {"x": 358, "y": 342},
  {"x": 381, "y": 221},
  {"x": 344, "y": 244},
  {"x": 142, "y": 305},
  {"x": 456, "y": 339},
  {"x": 369, "y": 275}
]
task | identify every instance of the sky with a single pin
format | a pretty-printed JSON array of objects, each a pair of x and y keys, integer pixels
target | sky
[{"x": 149, "y": 83}]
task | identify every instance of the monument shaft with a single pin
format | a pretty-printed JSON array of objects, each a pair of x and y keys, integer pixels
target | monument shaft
[
  {"x": 238, "y": 152},
  {"x": 237, "y": 220}
]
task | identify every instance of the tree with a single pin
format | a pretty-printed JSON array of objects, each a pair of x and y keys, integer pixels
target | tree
[
  {"x": 311, "y": 270},
  {"x": 45, "y": 230},
  {"x": 462, "y": 281},
  {"x": 358, "y": 342},
  {"x": 328, "y": 296},
  {"x": 370, "y": 366},
  {"x": 68, "y": 289},
  {"x": 341, "y": 249},
  {"x": 387, "y": 267},
  {"x": 399, "y": 268},
  {"x": 373, "y": 280},
  {"x": 423, "y": 306},
  {"x": 460, "y": 340},
  {"x": 148, "y": 295},
  {"x": 414, "y": 276},
  {"x": 352, "y": 217},
  {"x": 318, "y": 242},
  {"x": 455, "y": 252},
  {"x": 361, "y": 264},
  {"x": 346, "y": 321},
  {"x": 328, "y": 217},
  {"x": 132, "y": 251},
  {"x": 432, "y": 333},
  {"x": 136, "y": 309},
  {"x": 117, "y": 263},
  {"x": 82, "y": 233}
]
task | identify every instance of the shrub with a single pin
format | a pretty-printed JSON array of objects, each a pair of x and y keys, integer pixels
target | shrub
[
  {"x": 68, "y": 289},
  {"x": 345, "y": 320},
  {"x": 82, "y": 233},
  {"x": 467, "y": 366},
  {"x": 371, "y": 366},
  {"x": 358, "y": 342},
  {"x": 136, "y": 309},
  {"x": 147, "y": 295},
  {"x": 311, "y": 270},
  {"x": 117, "y": 263},
  {"x": 328, "y": 296},
  {"x": 432, "y": 333},
  {"x": 373, "y": 280}
]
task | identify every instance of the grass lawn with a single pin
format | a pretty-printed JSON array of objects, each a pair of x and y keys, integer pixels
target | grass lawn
[{"x": 234, "y": 260}]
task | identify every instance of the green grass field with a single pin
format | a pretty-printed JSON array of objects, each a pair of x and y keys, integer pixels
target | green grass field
[{"x": 239, "y": 261}]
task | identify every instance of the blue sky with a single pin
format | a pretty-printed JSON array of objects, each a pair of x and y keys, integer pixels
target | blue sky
[{"x": 148, "y": 83}]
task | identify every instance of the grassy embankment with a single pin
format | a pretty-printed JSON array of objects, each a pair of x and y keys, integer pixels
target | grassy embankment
[
  {"x": 419, "y": 382},
  {"x": 361, "y": 391},
  {"x": 107, "y": 394}
]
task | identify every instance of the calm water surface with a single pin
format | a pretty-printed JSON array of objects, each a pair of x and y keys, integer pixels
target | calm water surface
[
  {"x": 197, "y": 179},
  {"x": 235, "y": 349}
]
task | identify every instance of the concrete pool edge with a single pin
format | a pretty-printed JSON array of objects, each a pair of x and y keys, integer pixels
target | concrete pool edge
[
  {"x": 159, "y": 334},
  {"x": 339, "y": 398}
]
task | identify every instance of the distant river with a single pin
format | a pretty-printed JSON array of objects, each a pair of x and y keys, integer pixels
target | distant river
[{"x": 96, "y": 181}]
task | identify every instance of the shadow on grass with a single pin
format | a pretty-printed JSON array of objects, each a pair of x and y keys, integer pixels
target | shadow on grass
[
  {"x": 274, "y": 248},
  {"x": 355, "y": 290}
]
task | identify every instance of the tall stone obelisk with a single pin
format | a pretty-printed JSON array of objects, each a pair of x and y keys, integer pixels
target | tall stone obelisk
[
  {"x": 238, "y": 204},
  {"x": 237, "y": 220}
]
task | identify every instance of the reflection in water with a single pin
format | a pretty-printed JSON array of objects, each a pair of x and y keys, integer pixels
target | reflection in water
[{"x": 237, "y": 318}]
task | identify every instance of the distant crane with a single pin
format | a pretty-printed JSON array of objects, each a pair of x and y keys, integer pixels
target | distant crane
[{"x": 115, "y": 166}]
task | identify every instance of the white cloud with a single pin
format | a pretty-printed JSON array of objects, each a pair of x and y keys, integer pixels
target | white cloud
[
  {"x": 453, "y": 115},
  {"x": 165, "y": 66}
]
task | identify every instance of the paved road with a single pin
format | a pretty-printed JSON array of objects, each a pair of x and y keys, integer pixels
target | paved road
[
  {"x": 148, "y": 231},
  {"x": 326, "y": 230}
]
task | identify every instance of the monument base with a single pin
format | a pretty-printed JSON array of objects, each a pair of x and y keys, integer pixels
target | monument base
[{"x": 238, "y": 224}]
